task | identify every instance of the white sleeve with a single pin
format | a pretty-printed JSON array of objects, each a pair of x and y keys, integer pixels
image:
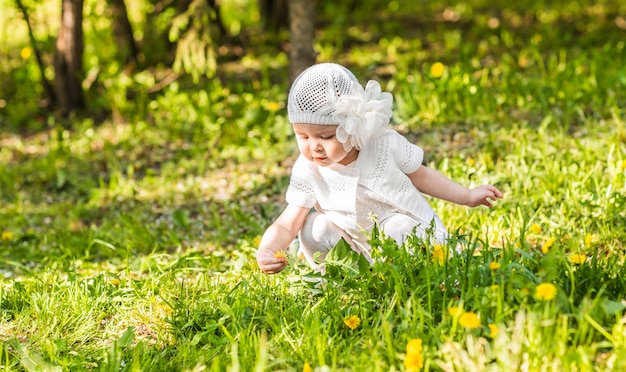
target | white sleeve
[
  {"x": 300, "y": 192},
  {"x": 407, "y": 156}
]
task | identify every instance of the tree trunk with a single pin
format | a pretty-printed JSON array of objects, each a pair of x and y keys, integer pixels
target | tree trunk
[
  {"x": 275, "y": 13},
  {"x": 302, "y": 32},
  {"x": 68, "y": 59},
  {"x": 123, "y": 32}
]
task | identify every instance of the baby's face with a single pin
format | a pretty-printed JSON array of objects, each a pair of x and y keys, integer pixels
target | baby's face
[{"x": 319, "y": 144}]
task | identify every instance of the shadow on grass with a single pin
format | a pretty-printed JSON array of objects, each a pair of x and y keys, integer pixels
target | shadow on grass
[{"x": 62, "y": 207}]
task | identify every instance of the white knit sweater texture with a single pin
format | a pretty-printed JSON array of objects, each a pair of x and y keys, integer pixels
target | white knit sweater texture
[{"x": 375, "y": 184}]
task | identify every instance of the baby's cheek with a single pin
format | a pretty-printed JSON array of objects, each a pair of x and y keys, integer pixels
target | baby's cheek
[{"x": 305, "y": 152}]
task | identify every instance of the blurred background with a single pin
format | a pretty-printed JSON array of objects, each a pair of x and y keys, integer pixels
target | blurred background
[
  {"x": 186, "y": 61},
  {"x": 109, "y": 106}
]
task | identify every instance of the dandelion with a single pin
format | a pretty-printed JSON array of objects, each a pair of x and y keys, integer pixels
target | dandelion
[
  {"x": 469, "y": 320},
  {"x": 454, "y": 310},
  {"x": 352, "y": 322},
  {"x": 535, "y": 228},
  {"x": 438, "y": 253},
  {"x": 623, "y": 165},
  {"x": 545, "y": 292},
  {"x": 436, "y": 70},
  {"x": 274, "y": 106},
  {"x": 307, "y": 367},
  {"x": 414, "y": 346},
  {"x": 589, "y": 239},
  {"x": 470, "y": 161},
  {"x": 547, "y": 245},
  {"x": 493, "y": 266},
  {"x": 280, "y": 254},
  {"x": 114, "y": 281},
  {"x": 522, "y": 61},
  {"x": 577, "y": 258},
  {"x": 26, "y": 52},
  {"x": 414, "y": 360},
  {"x": 493, "y": 330},
  {"x": 7, "y": 235},
  {"x": 256, "y": 241}
]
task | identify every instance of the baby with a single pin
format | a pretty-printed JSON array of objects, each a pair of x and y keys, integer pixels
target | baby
[{"x": 352, "y": 167}]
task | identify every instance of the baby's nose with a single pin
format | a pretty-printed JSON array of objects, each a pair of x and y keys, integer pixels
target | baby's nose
[{"x": 316, "y": 146}]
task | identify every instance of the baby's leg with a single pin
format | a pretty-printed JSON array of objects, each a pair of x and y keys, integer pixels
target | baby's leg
[
  {"x": 398, "y": 227},
  {"x": 318, "y": 234}
]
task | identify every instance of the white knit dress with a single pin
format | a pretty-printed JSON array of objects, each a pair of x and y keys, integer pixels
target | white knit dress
[{"x": 375, "y": 184}]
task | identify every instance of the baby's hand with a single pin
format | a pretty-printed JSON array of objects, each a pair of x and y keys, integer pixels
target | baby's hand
[
  {"x": 483, "y": 195},
  {"x": 271, "y": 262}
]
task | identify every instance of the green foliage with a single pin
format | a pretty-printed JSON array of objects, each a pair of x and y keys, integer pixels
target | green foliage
[
  {"x": 196, "y": 47},
  {"x": 128, "y": 237}
]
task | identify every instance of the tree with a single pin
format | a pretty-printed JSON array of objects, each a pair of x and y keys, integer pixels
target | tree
[
  {"x": 123, "y": 32},
  {"x": 302, "y": 32},
  {"x": 275, "y": 13},
  {"x": 68, "y": 63}
]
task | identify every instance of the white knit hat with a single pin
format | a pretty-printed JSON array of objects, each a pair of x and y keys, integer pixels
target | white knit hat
[
  {"x": 313, "y": 95},
  {"x": 329, "y": 94}
]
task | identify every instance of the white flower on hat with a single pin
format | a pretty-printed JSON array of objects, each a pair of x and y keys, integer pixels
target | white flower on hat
[{"x": 362, "y": 115}]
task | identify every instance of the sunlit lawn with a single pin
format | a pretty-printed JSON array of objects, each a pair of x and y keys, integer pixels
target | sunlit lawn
[{"x": 130, "y": 246}]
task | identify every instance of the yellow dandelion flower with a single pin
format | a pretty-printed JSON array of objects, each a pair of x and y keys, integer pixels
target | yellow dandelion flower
[
  {"x": 493, "y": 330},
  {"x": 280, "y": 254},
  {"x": 470, "y": 161},
  {"x": 522, "y": 61},
  {"x": 469, "y": 320},
  {"x": 26, "y": 52},
  {"x": 414, "y": 346},
  {"x": 114, "y": 281},
  {"x": 274, "y": 106},
  {"x": 577, "y": 258},
  {"x": 438, "y": 253},
  {"x": 535, "y": 228},
  {"x": 352, "y": 322},
  {"x": 494, "y": 266},
  {"x": 7, "y": 235},
  {"x": 256, "y": 241},
  {"x": 547, "y": 245},
  {"x": 307, "y": 367},
  {"x": 623, "y": 165},
  {"x": 589, "y": 240},
  {"x": 437, "y": 69},
  {"x": 413, "y": 362},
  {"x": 454, "y": 310},
  {"x": 545, "y": 292}
]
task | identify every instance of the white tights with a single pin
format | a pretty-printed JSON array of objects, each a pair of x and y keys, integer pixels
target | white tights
[{"x": 319, "y": 234}]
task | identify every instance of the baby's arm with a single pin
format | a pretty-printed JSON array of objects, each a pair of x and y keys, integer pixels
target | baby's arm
[
  {"x": 431, "y": 182},
  {"x": 278, "y": 236}
]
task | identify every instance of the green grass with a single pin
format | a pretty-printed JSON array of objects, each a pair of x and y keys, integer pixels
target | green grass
[{"x": 129, "y": 244}]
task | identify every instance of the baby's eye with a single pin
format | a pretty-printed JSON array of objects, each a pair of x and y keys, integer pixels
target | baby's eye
[{"x": 327, "y": 137}]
